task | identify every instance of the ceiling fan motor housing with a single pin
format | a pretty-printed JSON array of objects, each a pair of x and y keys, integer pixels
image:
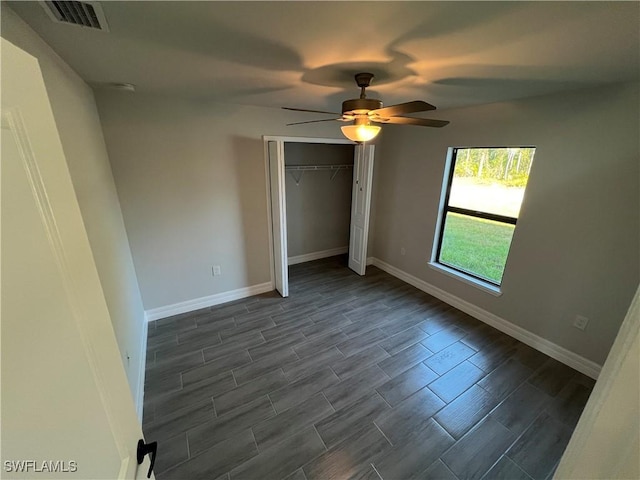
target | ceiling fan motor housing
[{"x": 360, "y": 106}]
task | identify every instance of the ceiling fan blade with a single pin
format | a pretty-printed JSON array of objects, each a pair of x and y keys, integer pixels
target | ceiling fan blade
[
  {"x": 314, "y": 121},
  {"x": 403, "y": 108},
  {"x": 423, "y": 122},
  {"x": 312, "y": 111}
]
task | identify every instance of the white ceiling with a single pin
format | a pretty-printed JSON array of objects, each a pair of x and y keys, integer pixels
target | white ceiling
[{"x": 304, "y": 54}]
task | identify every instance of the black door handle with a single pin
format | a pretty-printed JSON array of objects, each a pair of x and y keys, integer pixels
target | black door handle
[{"x": 144, "y": 449}]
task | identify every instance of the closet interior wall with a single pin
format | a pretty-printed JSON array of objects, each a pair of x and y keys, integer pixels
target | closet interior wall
[{"x": 318, "y": 201}]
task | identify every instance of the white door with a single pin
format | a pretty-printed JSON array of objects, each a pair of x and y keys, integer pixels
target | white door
[
  {"x": 66, "y": 407},
  {"x": 360, "y": 208},
  {"x": 279, "y": 215}
]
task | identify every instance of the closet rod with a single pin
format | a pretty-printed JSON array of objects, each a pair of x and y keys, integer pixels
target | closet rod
[
  {"x": 305, "y": 168},
  {"x": 316, "y": 167}
]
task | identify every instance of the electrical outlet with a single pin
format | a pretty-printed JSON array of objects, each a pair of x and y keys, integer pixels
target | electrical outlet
[
  {"x": 581, "y": 322},
  {"x": 216, "y": 270},
  {"x": 403, "y": 251}
]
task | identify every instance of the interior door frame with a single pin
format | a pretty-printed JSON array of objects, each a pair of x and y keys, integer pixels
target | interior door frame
[
  {"x": 281, "y": 140},
  {"x": 278, "y": 220}
]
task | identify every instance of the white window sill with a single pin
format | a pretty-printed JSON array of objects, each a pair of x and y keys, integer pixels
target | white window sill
[{"x": 468, "y": 279}]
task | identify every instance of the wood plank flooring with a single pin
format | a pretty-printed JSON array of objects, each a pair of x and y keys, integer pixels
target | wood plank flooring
[{"x": 352, "y": 377}]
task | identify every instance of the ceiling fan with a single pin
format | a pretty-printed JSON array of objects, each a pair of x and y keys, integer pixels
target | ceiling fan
[{"x": 364, "y": 111}]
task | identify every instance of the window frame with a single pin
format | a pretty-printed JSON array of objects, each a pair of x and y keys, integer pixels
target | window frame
[{"x": 444, "y": 208}]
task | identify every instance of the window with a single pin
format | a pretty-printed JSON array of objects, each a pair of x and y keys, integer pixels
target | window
[{"x": 481, "y": 204}]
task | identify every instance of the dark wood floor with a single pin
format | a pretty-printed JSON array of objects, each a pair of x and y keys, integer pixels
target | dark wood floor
[{"x": 352, "y": 377}]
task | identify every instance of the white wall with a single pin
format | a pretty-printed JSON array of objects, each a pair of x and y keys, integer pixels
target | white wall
[
  {"x": 78, "y": 123},
  {"x": 192, "y": 185},
  {"x": 575, "y": 249},
  {"x": 318, "y": 207}
]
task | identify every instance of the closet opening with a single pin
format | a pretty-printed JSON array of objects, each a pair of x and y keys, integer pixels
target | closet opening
[
  {"x": 319, "y": 193},
  {"x": 318, "y": 180}
]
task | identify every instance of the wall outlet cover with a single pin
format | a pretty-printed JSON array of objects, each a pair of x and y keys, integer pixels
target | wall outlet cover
[{"x": 580, "y": 322}]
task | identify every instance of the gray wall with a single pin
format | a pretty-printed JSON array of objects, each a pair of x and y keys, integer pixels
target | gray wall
[
  {"x": 575, "y": 249},
  {"x": 76, "y": 116},
  {"x": 318, "y": 208},
  {"x": 191, "y": 180},
  {"x": 192, "y": 184}
]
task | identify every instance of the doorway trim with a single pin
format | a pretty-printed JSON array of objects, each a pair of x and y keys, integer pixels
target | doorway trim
[{"x": 281, "y": 140}]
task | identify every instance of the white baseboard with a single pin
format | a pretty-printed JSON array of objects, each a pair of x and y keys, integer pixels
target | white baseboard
[
  {"x": 561, "y": 354},
  {"x": 370, "y": 260},
  {"x": 210, "y": 301},
  {"x": 308, "y": 257},
  {"x": 142, "y": 368}
]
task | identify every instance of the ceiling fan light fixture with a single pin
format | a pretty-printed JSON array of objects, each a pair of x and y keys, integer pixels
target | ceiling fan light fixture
[{"x": 360, "y": 133}]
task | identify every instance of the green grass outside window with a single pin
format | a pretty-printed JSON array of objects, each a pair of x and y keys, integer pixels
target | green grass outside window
[{"x": 476, "y": 246}]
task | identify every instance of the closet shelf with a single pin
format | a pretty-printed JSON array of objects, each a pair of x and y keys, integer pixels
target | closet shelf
[
  {"x": 316, "y": 167},
  {"x": 306, "y": 168}
]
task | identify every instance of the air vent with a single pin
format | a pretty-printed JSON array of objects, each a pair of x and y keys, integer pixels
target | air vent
[{"x": 84, "y": 14}]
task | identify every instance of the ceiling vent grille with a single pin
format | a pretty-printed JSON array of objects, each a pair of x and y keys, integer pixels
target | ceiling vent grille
[{"x": 85, "y": 14}]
